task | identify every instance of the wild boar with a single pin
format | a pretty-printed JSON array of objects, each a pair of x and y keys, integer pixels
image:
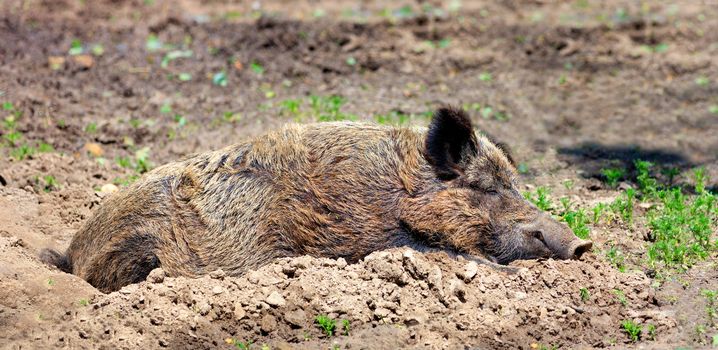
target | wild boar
[{"x": 327, "y": 190}]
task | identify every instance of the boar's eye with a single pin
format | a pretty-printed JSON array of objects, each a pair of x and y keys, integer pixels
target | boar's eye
[
  {"x": 479, "y": 187},
  {"x": 538, "y": 235}
]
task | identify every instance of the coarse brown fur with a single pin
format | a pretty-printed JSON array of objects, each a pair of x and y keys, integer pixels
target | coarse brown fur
[{"x": 331, "y": 190}]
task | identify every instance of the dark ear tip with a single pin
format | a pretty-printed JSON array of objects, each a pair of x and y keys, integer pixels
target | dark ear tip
[{"x": 452, "y": 112}]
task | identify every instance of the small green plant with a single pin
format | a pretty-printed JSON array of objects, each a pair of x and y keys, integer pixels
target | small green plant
[
  {"x": 50, "y": 183},
  {"x": 578, "y": 222},
  {"x": 613, "y": 176},
  {"x": 647, "y": 184},
  {"x": 485, "y": 76},
  {"x": 702, "y": 81},
  {"x": 651, "y": 332},
  {"x": 290, "y": 107},
  {"x": 621, "y": 296},
  {"x": 616, "y": 258},
  {"x": 711, "y": 296},
  {"x": 541, "y": 198},
  {"x": 242, "y": 345},
  {"x": 393, "y": 117},
  {"x": 220, "y": 79},
  {"x": 256, "y": 68},
  {"x": 598, "y": 211},
  {"x": 327, "y": 109},
  {"x": 682, "y": 227},
  {"x": 345, "y": 326},
  {"x": 327, "y": 324},
  {"x": 84, "y": 302},
  {"x": 91, "y": 128},
  {"x": 632, "y": 329},
  {"x": 75, "y": 47},
  {"x": 584, "y": 294},
  {"x": 623, "y": 206}
]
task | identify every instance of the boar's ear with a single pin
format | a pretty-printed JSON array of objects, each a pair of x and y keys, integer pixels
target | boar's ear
[
  {"x": 504, "y": 147},
  {"x": 450, "y": 138}
]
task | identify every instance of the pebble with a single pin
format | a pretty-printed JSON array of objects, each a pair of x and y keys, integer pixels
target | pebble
[
  {"x": 218, "y": 274},
  {"x": 268, "y": 323},
  {"x": 156, "y": 276},
  {"x": 470, "y": 270},
  {"x": 217, "y": 290},
  {"x": 204, "y": 308},
  {"x": 239, "y": 312},
  {"x": 107, "y": 189},
  {"x": 275, "y": 299},
  {"x": 381, "y": 312},
  {"x": 297, "y": 317}
]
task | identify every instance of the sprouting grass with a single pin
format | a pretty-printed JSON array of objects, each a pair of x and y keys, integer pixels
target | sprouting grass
[
  {"x": 585, "y": 295},
  {"x": 616, "y": 258},
  {"x": 682, "y": 227},
  {"x": 623, "y": 205},
  {"x": 84, "y": 302},
  {"x": 711, "y": 297},
  {"x": 613, "y": 176},
  {"x": 290, "y": 107},
  {"x": 541, "y": 198},
  {"x": 327, "y": 109},
  {"x": 598, "y": 211},
  {"x": 578, "y": 222},
  {"x": 242, "y": 345},
  {"x": 393, "y": 117},
  {"x": 49, "y": 183},
  {"x": 256, "y": 68},
  {"x": 346, "y": 326},
  {"x": 621, "y": 297},
  {"x": 632, "y": 329},
  {"x": 91, "y": 128},
  {"x": 13, "y": 139},
  {"x": 327, "y": 324}
]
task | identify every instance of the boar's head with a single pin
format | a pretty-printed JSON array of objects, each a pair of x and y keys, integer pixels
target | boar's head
[{"x": 470, "y": 200}]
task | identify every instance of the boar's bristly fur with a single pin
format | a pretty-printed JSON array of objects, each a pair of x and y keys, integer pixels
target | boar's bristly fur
[{"x": 328, "y": 190}]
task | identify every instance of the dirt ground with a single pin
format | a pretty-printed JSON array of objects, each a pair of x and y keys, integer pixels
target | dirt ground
[{"x": 572, "y": 86}]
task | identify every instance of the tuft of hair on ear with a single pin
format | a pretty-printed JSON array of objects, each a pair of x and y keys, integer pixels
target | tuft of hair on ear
[
  {"x": 503, "y": 146},
  {"x": 450, "y": 134}
]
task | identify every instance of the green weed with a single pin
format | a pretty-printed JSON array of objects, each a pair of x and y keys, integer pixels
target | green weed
[
  {"x": 632, "y": 329},
  {"x": 621, "y": 297},
  {"x": 682, "y": 227},
  {"x": 598, "y": 211},
  {"x": 91, "y": 128},
  {"x": 578, "y": 222},
  {"x": 584, "y": 294},
  {"x": 327, "y": 324},
  {"x": 541, "y": 198},
  {"x": 327, "y": 109},
  {"x": 393, "y": 117},
  {"x": 623, "y": 206},
  {"x": 345, "y": 326},
  {"x": 613, "y": 176},
  {"x": 616, "y": 258},
  {"x": 711, "y": 296}
]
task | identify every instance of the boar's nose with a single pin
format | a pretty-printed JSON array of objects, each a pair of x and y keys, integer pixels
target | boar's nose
[{"x": 579, "y": 247}]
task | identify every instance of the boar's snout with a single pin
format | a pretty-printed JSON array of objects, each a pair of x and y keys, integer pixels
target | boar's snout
[{"x": 558, "y": 238}]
